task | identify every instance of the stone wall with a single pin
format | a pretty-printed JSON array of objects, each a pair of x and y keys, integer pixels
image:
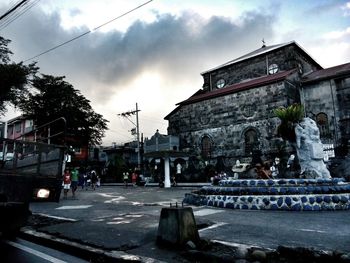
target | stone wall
[
  {"x": 225, "y": 119},
  {"x": 343, "y": 99},
  {"x": 331, "y": 97}
]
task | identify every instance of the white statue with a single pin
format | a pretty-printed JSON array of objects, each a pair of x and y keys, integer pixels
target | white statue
[
  {"x": 178, "y": 168},
  {"x": 238, "y": 163},
  {"x": 310, "y": 150}
]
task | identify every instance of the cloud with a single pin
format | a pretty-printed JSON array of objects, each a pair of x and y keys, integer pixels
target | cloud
[
  {"x": 338, "y": 35},
  {"x": 346, "y": 9},
  {"x": 324, "y": 8},
  {"x": 169, "y": 44},
  {"x": 114, "y": 67}
]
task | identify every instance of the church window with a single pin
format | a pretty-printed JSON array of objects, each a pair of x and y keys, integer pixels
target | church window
[
  {"x": 322, "y": 123},
  {"x": 251, "y": 141},
  {"x": 206, "y": 146},
  {"x": 220, "y": 83},
  {"x": 273, "y": 69}
]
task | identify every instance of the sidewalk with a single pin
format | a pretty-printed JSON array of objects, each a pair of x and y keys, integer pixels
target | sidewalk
[{"x": 117, "y": 224}]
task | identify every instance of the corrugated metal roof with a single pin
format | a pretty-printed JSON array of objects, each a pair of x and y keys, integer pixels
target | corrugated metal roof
[
  {"x": 258, "y": 52},
  {"x": 327, "y": 73},
  {"x": 238, "y": 87}
]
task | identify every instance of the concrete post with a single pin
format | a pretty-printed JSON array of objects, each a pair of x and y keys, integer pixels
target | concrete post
[
  {"x": 176, "y": 227},
  {"x": 167, "y": 172}
]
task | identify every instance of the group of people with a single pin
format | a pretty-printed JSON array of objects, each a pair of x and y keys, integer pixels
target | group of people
[
  {"x": 72, "y": 178},
  {"x": 136, "y": 178}
]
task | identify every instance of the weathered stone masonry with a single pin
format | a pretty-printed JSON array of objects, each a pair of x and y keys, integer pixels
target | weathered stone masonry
[{"x": 224, "y": 119}]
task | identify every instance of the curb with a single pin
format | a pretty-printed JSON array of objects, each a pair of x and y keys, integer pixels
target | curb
[
  {"x": 179, "y": 185},
  {"x": 243, "y": 252},
  {"x": 86, "y": 252}
]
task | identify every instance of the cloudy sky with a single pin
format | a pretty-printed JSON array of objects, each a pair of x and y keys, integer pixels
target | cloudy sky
[{"x": 154, "y": 55}]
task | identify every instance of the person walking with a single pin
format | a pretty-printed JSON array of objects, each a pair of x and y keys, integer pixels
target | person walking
[
  {"x": 74, "y": 180},
  {"x": 94, "y": 179},
  {"x": 66, "y": 183},
  {"x": 126, "y": 179}
]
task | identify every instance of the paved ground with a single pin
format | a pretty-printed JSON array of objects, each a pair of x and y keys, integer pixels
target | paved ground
[{"x": 126, "y": 219}]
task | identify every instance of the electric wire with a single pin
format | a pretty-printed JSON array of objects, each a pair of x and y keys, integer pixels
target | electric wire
[
  {"x": 13, "y": 15},
  {"x": 147, "y": 119},
  {"x": 89, "y": 31},
  {"x": 16, "y": 15},
  {"x": 7, "y": 19},
  {"x": 13, "y": 9},
  {"x": 120, "y": 134}
]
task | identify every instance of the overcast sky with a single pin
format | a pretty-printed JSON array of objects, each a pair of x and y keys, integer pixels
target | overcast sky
[{"x": 154, "y": 55}]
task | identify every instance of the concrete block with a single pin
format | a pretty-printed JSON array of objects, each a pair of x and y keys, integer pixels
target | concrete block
[{"x": 177, "y": 226}]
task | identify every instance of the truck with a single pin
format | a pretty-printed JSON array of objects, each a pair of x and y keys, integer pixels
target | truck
[{"x": 29, "y": 171}]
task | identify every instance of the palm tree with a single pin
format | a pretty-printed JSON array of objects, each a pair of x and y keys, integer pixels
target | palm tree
[{"x": 289, "y": 117}]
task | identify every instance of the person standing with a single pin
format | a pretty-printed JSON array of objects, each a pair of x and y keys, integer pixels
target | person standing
[
  {"x": 74, "y": 180},
  {"x": 134, "y": 178},
  {"x": 274, "y": 170},
  {"x": 66, "y": 183}
]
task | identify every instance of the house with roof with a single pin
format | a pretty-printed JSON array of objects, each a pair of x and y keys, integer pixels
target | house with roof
[{"x": 232, "y": 115}]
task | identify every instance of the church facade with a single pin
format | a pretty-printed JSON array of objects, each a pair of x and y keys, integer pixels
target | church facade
[{"x": 232, "y": 115}]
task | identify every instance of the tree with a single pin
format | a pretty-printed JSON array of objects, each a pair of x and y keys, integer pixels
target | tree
[
  {"x": 289, "y": 117},
  {"x": 52, "y": 98},
  {"x": 13, "y": 77}
]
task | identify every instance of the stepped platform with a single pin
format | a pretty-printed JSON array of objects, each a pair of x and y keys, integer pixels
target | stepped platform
[{"x": 275, "y": 194}]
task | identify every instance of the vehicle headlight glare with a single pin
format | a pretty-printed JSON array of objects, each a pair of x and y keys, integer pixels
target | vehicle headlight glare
[{"x": 43, "y": 193}]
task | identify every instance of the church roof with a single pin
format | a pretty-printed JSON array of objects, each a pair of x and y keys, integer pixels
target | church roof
[
  {"x": 238, "y": 87},
  {"x": 265, "y": 80},
  {"x": 263, "y": 50},
  {"x": 327, "y": 73}
]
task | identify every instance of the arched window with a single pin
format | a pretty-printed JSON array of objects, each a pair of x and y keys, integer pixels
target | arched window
[
  {"x": 206, "y": 146},
  {"x": 251, "y": 141},
  {"x": 322, "y": 123}
]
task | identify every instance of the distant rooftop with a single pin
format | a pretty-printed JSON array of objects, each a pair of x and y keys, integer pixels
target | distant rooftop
[{"x": 331, "y": 72}]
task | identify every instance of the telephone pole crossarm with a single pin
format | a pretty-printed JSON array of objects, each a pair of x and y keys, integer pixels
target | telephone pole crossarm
[{"x": 126, "y": 115}]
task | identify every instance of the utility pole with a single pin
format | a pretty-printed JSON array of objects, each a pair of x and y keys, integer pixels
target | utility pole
[{"x": 127, "y": 115}]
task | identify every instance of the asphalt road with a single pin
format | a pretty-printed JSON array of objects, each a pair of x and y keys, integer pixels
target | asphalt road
[
  {"x": 19, "y": 251},
  {"x": 116, "y": 217}
]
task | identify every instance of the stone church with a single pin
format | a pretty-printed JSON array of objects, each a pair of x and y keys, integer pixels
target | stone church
[{"x": 233, "y": 113}]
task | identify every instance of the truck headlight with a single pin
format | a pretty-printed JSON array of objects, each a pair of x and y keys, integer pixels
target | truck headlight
[{"x": 43, "y": 193}]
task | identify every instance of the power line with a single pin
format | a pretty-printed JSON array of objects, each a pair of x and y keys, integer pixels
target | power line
[
  {"x": 14, "y": 16},
  {"x": 87, "y": 32},
  {"x": 13, "y": 9},
  {"x": 121, "y": 134},
  {"x": 146, "y": 118}
]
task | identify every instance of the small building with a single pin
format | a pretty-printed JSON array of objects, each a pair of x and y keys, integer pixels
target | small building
[
  {"x": 19, "y": 127},
  {"x": 162, "y": 156}
]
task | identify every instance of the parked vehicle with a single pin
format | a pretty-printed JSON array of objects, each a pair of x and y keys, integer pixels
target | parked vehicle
[
  {"x": 33, "y": 173},
  {"x": 29, "y": 171}
]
